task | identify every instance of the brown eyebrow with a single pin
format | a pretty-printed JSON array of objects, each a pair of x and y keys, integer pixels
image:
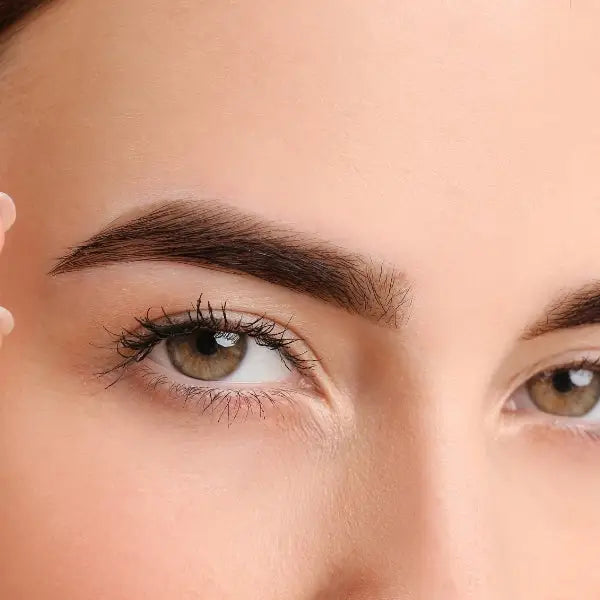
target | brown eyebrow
[
  {"x": 211, "y": 234},
  {"x": 573, "y": 308}
]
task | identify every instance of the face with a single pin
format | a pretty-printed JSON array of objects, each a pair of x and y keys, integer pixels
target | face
[{"x": 337, "y": 338}]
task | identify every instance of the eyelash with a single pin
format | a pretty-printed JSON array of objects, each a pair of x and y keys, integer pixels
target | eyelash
[
  {"x": 135, "y": 346},
  {"x": 567, "y": 425},
  {"x": 584, "y": 363}
]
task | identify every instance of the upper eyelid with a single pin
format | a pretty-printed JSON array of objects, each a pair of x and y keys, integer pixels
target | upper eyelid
[
  {"x": 217, "y": 317},
  {"x": 573, "y": 364},
  {"x": 160, "y": 328},
  {"x": 256, "y": 325},
  {"x": 554, "y": 364},
  {"x": 521, "y": 374}
]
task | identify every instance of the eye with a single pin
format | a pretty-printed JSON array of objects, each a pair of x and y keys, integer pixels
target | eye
[
  {"x": 207, "y": 354},
  {"x": 219, "y": 361},
  {"x": 571, "y": 391},
  {"x": 210, "y": 345},
  {"x": 566, "y": 392},
  {"x": 212, "y": 355}
]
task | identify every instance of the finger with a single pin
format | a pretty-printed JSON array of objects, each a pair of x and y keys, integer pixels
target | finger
[
  {"x": 7, "y": 323},
  {"x": 7, "y": 218},
  {"x": 8, "y": 211}
]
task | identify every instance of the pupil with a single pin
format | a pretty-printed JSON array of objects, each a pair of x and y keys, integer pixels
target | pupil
[
  {"x": 206, "y": 343},
  {"x": 561, "y": 380}
]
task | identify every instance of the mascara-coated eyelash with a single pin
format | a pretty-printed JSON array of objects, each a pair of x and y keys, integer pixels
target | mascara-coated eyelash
[
  {"x": 232, "y": 403},
  {"x": 134, "y": 346},
  {"x": 592, "y": 364}
]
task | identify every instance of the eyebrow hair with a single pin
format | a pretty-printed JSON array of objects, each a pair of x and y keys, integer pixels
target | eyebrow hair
[
  {"x": 573, "y": 308},
  {"x": 211, "y": 234}
]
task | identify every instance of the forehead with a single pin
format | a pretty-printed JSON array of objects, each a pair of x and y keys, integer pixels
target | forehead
[{"x": 408, "y": 130}]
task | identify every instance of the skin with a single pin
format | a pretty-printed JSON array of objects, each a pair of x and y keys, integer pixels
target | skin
[{"x": 457, "y": 144}]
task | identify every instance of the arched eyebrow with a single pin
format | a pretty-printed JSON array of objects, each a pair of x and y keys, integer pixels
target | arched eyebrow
[
  {"x": 210, "y": 234},
  {"x": 578, "y": 307}
]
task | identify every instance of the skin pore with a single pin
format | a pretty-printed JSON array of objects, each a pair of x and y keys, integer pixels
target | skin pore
[{"x": 439, "y": 158}]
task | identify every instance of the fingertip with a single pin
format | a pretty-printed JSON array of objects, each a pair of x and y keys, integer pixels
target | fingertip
[
  {"x": 7, "y": 321},
  {"x": 8, "y": 211}
]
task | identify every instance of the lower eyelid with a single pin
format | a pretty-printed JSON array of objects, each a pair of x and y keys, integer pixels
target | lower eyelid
[
  {"x": 535, "y": 420},
  {"x": 226, "y": 402}
]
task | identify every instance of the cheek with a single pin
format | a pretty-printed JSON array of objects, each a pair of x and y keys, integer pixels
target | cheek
[
  {"x": 547, "y": 500},
  {"x": 109, "y": 501}
]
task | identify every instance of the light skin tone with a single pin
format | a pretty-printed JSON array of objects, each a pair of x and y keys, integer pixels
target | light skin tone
[{"x": 439, "y": 159}]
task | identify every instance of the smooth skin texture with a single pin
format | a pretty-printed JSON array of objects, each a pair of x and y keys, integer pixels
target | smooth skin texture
[{"x": 455, "y": 142}]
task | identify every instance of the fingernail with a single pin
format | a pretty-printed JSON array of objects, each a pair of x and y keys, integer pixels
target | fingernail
[
  {"x": 8, "y": 212},
  {"x": 7, "y": 321}
]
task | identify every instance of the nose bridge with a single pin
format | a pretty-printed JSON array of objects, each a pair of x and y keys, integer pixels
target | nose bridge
[
  {"x": 449, "y": 541},
  {"x": 456, "y": 531}
]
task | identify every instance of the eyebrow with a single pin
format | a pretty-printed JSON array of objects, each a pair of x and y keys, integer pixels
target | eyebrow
[
  {"x": 211, "y": 234},
  {"x": 573, "y": 308}
]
